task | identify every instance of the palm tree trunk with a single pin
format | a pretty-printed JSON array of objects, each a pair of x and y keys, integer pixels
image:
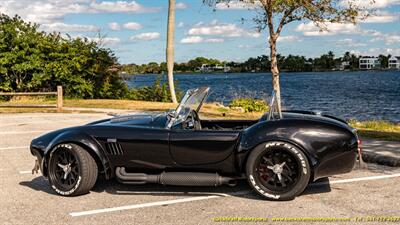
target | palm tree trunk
[
  {"x": 275, "y": 72},
  {"x": 170, "y": 49}
]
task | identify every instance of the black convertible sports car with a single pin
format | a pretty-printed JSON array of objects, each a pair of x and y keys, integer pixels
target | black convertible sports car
[{"x": 279, "y": 154}]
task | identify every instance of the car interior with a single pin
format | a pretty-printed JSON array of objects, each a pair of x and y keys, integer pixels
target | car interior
[{"x": 193, "y": 122}]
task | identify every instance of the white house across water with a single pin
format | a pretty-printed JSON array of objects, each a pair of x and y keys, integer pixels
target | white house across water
[
  {"x": 369, "y": 62},
  {"x": 394, "y": 62}
]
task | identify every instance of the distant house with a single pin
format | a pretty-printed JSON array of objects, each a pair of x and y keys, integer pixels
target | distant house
[
  {"x": 369, "y": 62},
  {"x": 205, "y": 68},
  {"x": 394, "y": 62}
]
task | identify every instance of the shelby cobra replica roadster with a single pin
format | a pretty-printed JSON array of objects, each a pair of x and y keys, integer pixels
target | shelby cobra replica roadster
[{"x": 279, "y": 154}]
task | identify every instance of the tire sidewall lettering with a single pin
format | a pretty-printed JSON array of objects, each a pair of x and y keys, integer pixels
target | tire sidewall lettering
[
  {"x": 294, "y": 151},
  {"x": 70, "y": 191},
  {"x": 260, "y": 190}
]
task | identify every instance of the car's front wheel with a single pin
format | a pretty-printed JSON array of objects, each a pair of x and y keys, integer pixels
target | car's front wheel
[
  {"x": 72, "y": 170},
  {"x": 278, "y": 170}
]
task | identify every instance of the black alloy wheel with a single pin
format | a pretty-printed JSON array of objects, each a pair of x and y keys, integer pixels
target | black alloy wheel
[
  {"x": 66, "y": 168},
  {"x": 72, "y": 170},
  {"x": 278, "y": 170}
]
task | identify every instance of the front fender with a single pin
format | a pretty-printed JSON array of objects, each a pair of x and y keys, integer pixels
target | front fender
[{"x": 84, "y": 140}]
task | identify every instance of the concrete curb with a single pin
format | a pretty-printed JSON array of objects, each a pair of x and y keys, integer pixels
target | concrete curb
[
  {"x": 370, "y": 157},
  {"x": 381, "y": 152}
]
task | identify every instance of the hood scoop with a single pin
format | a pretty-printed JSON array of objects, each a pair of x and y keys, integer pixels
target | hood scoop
[{"x": 132, "y": 117}]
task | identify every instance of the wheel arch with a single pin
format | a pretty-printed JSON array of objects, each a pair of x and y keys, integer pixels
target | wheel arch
[{"x": 85, "y": 141}]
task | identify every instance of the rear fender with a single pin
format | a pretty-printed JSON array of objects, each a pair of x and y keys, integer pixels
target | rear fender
[
  {"x": 320, "y": 141},
  {"x": 268, "y": 131}
]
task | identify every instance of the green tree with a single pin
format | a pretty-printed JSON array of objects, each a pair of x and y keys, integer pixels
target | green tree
[
  {"x": 35, "y": 61},
  {"x": 19, "y": 58},
  {"x": 275, "y": 14},
  {"x": 384, "y": 60},
  {"x": 354, "y": 62}
]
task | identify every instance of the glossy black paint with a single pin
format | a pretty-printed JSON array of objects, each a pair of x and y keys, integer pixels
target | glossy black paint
[{"x": 142, "y": 143}]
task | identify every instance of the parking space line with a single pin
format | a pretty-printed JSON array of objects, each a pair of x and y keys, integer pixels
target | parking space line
[
  {"x": 24, "y": 132},
  {"x": 16, "y": 147},
  {"x": 19, "y": 124},
  {"x": 365, "y": 178},
  {"x": 159, "y": 203},
  {"x": 69, "y": 115},
  {"x": 25, "y": 172},
  {"x": 144, "y": 205},
  {"x": 209, "y": 196},
  {"x": 357, "y": 179}
]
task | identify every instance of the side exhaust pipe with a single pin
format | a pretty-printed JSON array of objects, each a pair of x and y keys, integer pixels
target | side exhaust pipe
[{"x": 174, "y": 178}]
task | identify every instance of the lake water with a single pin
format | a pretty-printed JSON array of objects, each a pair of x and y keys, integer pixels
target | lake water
[{"x": 363, "y": 95}]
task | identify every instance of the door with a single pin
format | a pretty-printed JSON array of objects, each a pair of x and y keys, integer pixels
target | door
[
  {"x": 136, "y": 147},
  {"x": 197, "y": 147}
]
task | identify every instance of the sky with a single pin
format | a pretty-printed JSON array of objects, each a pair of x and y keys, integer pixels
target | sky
[{"x": 136, "y": 30}]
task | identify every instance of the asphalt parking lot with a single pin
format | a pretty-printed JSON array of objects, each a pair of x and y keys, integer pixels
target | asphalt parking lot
[{"x": 28, "y": 199}]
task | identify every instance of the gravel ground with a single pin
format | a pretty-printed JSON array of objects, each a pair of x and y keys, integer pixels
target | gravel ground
[{"x": 28, "y": 199}]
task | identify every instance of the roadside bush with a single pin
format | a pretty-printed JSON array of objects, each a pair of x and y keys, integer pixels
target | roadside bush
[
  {"x": 376, "y": 125},
  {"x": 158, "y": 92},
  {"x": 249, "y": 104}
]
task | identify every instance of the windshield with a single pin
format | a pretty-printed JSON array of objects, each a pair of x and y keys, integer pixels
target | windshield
[{"x": 192, "y": 100}]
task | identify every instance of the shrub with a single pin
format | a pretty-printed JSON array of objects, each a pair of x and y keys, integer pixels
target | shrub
[
  {"x": 249, "y": 104},
  {"x": 158, "y": 92},
  {"x": 376, "y": 125}
]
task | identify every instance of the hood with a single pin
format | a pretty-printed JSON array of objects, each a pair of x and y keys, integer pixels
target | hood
[
  {"x": 146, "y": 119},
  {"x": 152, "y": 120}
]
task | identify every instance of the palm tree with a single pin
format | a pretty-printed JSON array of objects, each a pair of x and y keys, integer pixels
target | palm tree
[{"x": 170, "y": 49}]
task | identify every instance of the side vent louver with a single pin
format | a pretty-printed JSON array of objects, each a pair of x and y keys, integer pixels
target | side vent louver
[{"x": 113, "y": 147}]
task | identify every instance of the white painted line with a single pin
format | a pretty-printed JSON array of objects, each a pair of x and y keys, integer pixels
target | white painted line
[
  {"x": 46, "y": 115},
  {"x": 213, "y": 195},
  {"x": 24, "y": 132},
  {"x": 17, "y": 147},
  {"x": 25, "y": 172},
  {"x": 160, "y": 203},
  {"x": 365, "y": 178},
  {"x": 357, "y": 179},
  {"x": 19, "y": 124},
  {"x": 144, "y": 205}
]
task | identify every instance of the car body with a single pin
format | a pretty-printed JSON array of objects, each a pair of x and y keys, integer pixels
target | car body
[{"x": 178, "y": 148}]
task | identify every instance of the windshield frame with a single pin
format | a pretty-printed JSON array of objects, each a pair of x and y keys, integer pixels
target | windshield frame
[
  {"x": 273, "y": 108},
  {"x": 194, "y": 96}
]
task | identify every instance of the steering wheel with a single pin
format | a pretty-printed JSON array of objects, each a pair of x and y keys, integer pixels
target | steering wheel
[
  {"x": 196, "y": 120},
  {"x": 192, "y": 121}
]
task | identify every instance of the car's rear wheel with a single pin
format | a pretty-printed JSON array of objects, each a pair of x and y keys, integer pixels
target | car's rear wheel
[
  {"x": 278, "y": 170},
  {"x": 72, "y": 170}
]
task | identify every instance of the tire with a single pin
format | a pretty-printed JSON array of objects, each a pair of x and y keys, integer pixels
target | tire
[
  {"x": 72, "y": 170},
  {"x": 268, "y": 160}
]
